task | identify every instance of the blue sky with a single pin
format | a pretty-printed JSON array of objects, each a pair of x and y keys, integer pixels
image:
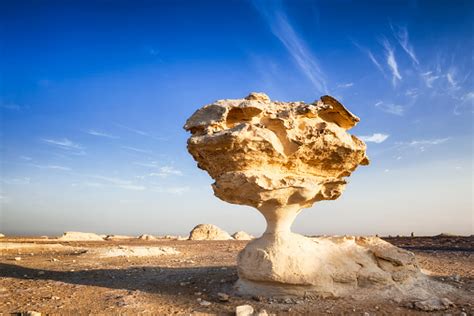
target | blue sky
[{"x": 94, "y": 94}]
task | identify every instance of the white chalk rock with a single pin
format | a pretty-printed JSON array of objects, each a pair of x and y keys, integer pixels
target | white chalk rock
[
  {"x": 118, "y": 237},
  {"x": 147, "y": 237},
  {"x": 208, "y": 232},
  {"x": 79, "y": 236},
  {"x": 241, "y": 235},
  {"x": 281, "y": 157}
]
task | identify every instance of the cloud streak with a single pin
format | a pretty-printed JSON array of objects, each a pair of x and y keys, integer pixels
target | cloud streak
[
  {"x": 401, "y": 34},
  {"x": 280, "y": 26},
  {"x": 390, "y": 108},
  {"x": 392, "y": 62},
  {"x": 100, "y": 134},
  {"x": 65, "y": 144},
  {"x": 374, "y": 138}
]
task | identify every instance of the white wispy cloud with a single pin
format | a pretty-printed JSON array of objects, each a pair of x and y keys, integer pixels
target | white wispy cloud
[
  {"x": 133, "y": 130},
  {"x": 450, "y": 76},
  {"x": 424, "y": 142},
  {"x": 139, "y": 150},
  {"x": 165, "y": 172},
  {"x": 374, "y": 138},
  {"x": 54, "y": 167},
  {"x": 100, "y": 134},
  {"x": 63, "y": 143},
  {"x": 171, "y": 190},
  {"x": 345, "y": 85},
  {"x": 391, "y": 62},
  {"x": 132, "y": 187},
  {"x": 278, "y": 21},
  {"x": 26, "y": 158},
  {"x": 401, "y": 34},
  {"x": 21, "y": 180},
  {"x": 375, "y": 62},
  {"x": 428, "y": 77},
  {"x": 390, "y": 108},
  {"x": 112, "y": 180}
]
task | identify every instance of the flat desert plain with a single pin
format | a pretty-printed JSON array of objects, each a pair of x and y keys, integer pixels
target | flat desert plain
[{"x": 185, "y": 277}]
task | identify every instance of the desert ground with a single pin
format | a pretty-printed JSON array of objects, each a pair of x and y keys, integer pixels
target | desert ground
[{"x": 51, "y": 276}]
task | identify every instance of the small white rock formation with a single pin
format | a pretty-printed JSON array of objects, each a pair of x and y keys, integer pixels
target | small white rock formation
[
  {"x": 281, "y": 157},
  {"x": 147, "y": 237},
  {"x": 118, "y": 237},
  {"x": 2, "y": 235},
  {"x": 208, "y": 232},
  {"x": 79, "y": 236},
  {"x": 241, "y": 235}
]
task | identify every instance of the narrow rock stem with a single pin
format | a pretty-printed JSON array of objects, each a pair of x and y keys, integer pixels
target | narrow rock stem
[{"x": 279, "y": 218}]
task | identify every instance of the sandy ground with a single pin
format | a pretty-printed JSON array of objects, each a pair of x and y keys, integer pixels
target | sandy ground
[{"x": 67, "y": 280}]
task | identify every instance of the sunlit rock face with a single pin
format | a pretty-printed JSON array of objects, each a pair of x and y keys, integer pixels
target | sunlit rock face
[
  {"x": 280, "y": 157},
  {"x": 270, "y": 154}
]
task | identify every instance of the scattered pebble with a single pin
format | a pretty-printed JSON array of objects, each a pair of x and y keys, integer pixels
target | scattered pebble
[
  {"x": 205, "y": 303},
  {"x": 223, "y": 297},
  {"x": 184, "y": 283},
  {"x": 17, "y": 258},
  {"x": 244, "y": 310},
  {"x": 197, "y": 293},
  {"x": 40, "y": 272}
]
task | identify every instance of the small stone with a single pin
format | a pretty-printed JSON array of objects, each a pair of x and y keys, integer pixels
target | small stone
[
  {"x": 433, "y": 304},
  {"x": 17, "y": 258},
  {"x": 197, "y": 293},
  {"x": 205, "y": 303},
  {"x": 54, "y": 260},
  {"x": 244, "y": 310},
  {"x": 55, "y": 298},
  {"x": 31, "y": 313},
  {"x": 366, "y": 314},
  {"x": 223, "y": 297},
  {"x": 262, "y": 312},
  {"x": 184, "y": 283},
  {"x": 463, "y": 314},
  {"x": 457, "y": 278},
  {"x": 40, "y": 272}
]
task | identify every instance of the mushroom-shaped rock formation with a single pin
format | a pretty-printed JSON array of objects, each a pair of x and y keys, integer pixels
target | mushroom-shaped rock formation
[{"x": 281, "y": 157}]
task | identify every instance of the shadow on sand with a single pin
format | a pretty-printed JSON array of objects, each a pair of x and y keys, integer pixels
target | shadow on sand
[{"x": 160, "y": 280}]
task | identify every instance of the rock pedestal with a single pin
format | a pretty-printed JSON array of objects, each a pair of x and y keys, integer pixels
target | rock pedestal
[{"x": 281, "y": 157}]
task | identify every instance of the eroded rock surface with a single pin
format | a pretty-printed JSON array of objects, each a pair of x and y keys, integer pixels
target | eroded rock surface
[
  {"x": 80, "y": 236},
  {"x": 280, "y": 157},
  {"x": 241, "y": 235},
  {"x": 208, "y": 232}
]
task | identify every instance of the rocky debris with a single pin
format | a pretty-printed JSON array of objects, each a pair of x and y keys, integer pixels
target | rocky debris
[
  {"x": 432, "y": 304},
  {"x": 118, "y": 237},
  {"x": 147, "y": 237},
  {"x": 17, "y": 258},
  {"x": 223, "y": 297},
  {"x": 79, "y": 236},
  {"x": 204, "y": 303},
  {"x": 30, "y": 313},
  {"x": 281, "y": 157},
  {"x": 208, "y": 232},
  {"x": 244, "y": 310},
  {"x": 241, "y": 235},
  {"x": 132, "y": 251}
]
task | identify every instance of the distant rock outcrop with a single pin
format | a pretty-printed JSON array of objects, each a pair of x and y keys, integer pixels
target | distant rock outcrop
[
  {"x": 79, "y": 236},
  {"x": 241, "y": 235},
  {"x": 208, "y": 232},
  {"x": 147, "y": 237},
  {"x": 118, "y": 237},
  {"x": 2, "y": 235}
]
